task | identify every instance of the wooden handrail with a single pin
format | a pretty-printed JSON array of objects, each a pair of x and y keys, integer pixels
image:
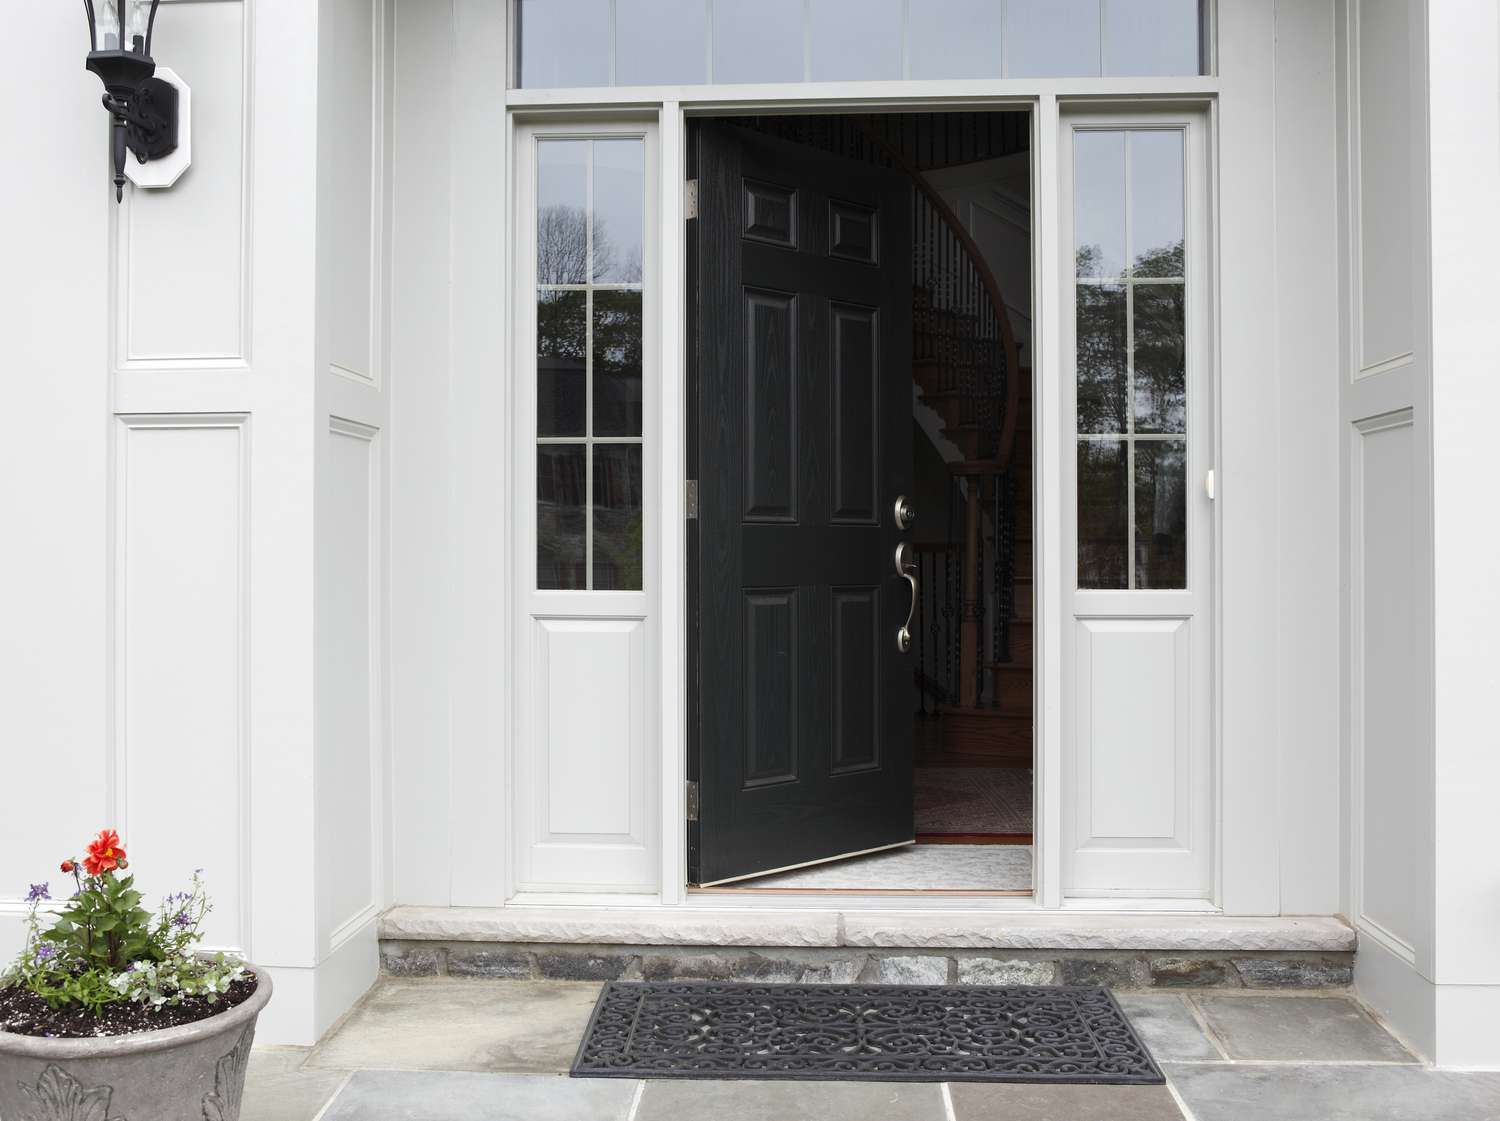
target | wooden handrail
[{"x": 987, "y": 278}]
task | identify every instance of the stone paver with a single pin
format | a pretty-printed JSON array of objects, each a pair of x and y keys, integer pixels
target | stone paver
[
  {"x": 397, "y": 1095},
  {"x": 280, "y": 1089},
  {"x": 791, "y": 1101},
  {"x": 1298, "y": 1029},
  {"x": 1332, "y": 1092},
  {"x": 443, "y": 1024},
  {"x": 973, "y": 1101},
  {"x": 1167, "y": 1026}
]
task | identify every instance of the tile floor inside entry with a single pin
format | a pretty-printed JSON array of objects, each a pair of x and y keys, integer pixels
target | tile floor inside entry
[{"x": 459, "y": 1050}]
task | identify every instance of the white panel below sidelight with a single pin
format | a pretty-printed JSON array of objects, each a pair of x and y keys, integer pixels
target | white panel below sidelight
[
  {"x": 585, "y": 804},
  {"x": 181, "y": 762}
]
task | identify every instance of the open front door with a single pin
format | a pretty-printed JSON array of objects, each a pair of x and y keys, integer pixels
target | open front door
[{"x": 804, "y": 445}]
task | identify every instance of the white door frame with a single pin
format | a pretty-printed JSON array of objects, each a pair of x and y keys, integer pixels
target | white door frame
[{"x": 1248, "y": 849}]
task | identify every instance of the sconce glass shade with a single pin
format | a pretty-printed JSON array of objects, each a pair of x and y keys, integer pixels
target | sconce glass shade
[{"x": 121, "y": 25}]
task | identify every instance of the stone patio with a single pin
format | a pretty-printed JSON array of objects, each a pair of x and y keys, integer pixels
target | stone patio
[{"x": 449, "y": 1049}]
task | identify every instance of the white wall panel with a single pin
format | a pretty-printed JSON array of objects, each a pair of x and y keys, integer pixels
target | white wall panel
[
  {"x": 1388, "y": 766},
  {"x": 585, "y": 807},
  {"x": 1386, "y": 222},
  {"x": 182, "y": 258},
  {"x": 349, "y": 622},
  {"x": 348, "y": 100},
  {"x": 180, "y": 657}
]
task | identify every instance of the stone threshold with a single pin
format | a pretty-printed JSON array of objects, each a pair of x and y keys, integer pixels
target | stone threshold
[{"x": 934, "y": 930}]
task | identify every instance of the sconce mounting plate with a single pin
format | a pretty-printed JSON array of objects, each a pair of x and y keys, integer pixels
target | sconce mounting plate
[{"x": 165, "y": 169}]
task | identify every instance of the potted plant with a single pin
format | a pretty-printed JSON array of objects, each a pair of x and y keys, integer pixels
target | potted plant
[{"x": 114, "y": 1014}]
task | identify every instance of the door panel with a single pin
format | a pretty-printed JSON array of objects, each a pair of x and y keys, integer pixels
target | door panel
[{"x": 803, "y": 325}]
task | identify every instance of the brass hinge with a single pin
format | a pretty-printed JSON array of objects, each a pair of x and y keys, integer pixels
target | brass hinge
[
  {"x": 692, "y": 801},
  {"x": 690, "y": 200},
  {"x": 690, "y": 498}
]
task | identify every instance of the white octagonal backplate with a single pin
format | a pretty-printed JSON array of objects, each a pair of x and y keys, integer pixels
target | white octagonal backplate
[{"x": 167, "y": 170}]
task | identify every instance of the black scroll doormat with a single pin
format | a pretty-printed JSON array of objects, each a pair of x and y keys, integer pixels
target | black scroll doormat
[{"x": 890, "y": 1033}]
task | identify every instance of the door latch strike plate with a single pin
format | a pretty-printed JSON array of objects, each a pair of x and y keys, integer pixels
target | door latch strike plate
[
  {"x": 690, "y": 498},
  {"x": 692, "y": 801},
  {"x": 690, "y": 200}
]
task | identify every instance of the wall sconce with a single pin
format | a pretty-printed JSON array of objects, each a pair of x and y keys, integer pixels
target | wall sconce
[{"x": 144, "y": 107}]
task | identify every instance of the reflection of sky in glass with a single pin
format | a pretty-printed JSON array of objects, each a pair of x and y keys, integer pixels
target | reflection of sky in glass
[
  {"x": 1155, "y": 195},
  {"x": 1099, "y": 202},
  {"x": 856, "y": 39},
  {"x": 618, "y": 206},
  {"x": 1052, "y": 38},
  {"x": 759, "y": 41},
  {"x": 564, "y": 43},
  {"x": 955, "y": 39},
  {"x": 660, "y": 42},
  {"x": 1150, "y": 37}
]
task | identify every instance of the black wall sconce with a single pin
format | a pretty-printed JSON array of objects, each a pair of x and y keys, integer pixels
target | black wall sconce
[{"x": 144, "y": 107}]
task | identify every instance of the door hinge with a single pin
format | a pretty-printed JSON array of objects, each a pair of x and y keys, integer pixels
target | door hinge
[
  {"x": 690, "y": 200},
  {"x": 690, "y": 498},
  {"x": 692, "y": 801}
]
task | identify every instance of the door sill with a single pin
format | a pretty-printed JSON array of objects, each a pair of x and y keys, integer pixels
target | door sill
[{"x": 796, "y": 867}]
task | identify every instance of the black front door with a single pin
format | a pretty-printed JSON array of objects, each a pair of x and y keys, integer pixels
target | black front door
[{"x": 803, "y": 443}]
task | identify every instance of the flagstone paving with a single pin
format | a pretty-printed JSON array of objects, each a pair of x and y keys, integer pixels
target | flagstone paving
[{"x": 458, "y": 1050}]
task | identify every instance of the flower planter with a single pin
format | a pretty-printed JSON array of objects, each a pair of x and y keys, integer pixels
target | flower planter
[{"x": 194, "y": 1072}]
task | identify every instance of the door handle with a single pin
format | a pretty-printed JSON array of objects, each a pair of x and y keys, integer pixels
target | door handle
[
  {"x": 906, "y": 513},
  {"x": 908, "y": 572}
]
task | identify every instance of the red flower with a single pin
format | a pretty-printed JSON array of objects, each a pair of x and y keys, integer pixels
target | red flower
[
  {"x": 67, "y": 865},
  {"x": 105, "y": 853}
]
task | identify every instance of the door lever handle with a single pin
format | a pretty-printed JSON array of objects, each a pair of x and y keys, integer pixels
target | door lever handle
[{"x": 908, "y": 572}]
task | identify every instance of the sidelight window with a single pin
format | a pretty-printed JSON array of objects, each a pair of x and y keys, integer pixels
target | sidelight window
[
  {"x": 1130, "y": 288},
  {"x": 589, "y": 389}
]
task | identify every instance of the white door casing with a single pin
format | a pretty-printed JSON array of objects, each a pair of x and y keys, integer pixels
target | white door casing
[{"x": 1137, "y": 734}]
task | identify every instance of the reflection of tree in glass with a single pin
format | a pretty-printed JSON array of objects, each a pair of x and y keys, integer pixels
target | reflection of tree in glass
[
  {"x": 1101, "y": 358},
  {"x": 562, "y": 249}
]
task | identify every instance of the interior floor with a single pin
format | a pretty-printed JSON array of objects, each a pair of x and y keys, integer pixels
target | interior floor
[
  {"x": 957, "y": 868},
  {"x": 981, "y": 805}
]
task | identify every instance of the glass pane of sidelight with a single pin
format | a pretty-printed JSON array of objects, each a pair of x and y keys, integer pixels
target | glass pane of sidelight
[
  {"x": 617, "y": 363},
  {"x": 1051, "y": 38},
  {"x": 562, "y": 183},
  {"x": 1103, "y": 370},
  {"x": 1099, "y": 203},
  {"x": 1160, "y": 514},
  {"x": 619, "y": 209},
  {"x": 1103, "y": 514},
  {"x": 759, "y": 42},
  {"x": 1151, "y": 37},
  {"x": 1160, "y": 326},
  {"x": 1156, "y": 202},
  {"x": 564, "y": 42},
  {"x": 855, "y": 40},
  {"x": 561, "y": 362},
  {"x": 561, "y": 533},
  {"x": 661, "y": 42},
  {"x": 617, "y": 517},
  {"x": 955, "y": 39}
]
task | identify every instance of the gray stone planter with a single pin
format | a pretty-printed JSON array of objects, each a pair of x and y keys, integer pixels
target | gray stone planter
[{"x": 195, "y": 1072}]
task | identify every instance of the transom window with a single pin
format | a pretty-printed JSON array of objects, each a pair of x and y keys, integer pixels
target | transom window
[
  {"x": 690, "y": 42},
  {"x": 1131, "y": 301},
  {"x": 589, "y": 250}
]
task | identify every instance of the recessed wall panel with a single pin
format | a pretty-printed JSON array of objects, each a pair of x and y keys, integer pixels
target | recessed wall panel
[
  {"x": 1390, "y": 763},
  {"x": 182, "y": 262},
  {"x": 347, "y": 82},
  {"x": 181, "y": 755}
]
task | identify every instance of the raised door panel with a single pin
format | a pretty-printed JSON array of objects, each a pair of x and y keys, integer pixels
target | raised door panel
[
  {"x": 770, "y": 407},
  {"x": 584, "y": 804},
  {"x": 856, "y": 680},
  {"x": 854, "y": 341},
  {"x": 770, "y": 704}
]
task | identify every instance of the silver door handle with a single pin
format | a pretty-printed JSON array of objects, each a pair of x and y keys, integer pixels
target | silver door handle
[
  {"x": 906, "y": 513},
  {"x": 908, "y": 572}
]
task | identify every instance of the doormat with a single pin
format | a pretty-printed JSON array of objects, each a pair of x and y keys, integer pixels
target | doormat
[{"x": 889, "y": 1033}]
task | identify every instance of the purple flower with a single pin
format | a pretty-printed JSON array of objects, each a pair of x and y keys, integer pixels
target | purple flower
[
  {"x": 37, "y": 893},
  {"x": 181, "y": 920},
  {"x": 44, "y": 952}
]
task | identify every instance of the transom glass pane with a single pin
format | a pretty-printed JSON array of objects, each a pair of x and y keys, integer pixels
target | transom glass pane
[
  {"x": 589, "y": 362},
  {"x": 1130, "y": 331},
  {"x": 686, "y": 42}
]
